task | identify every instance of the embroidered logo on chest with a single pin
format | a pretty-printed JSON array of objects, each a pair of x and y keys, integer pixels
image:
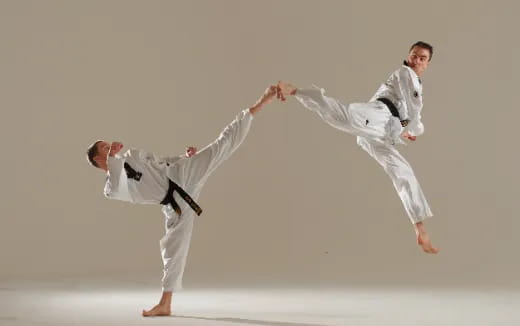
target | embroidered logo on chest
[{"x": 131, "y": 173}]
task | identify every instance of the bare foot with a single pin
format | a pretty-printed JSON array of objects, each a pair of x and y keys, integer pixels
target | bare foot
[
  {"x": 423, "y": 240},
  {"x": 269, "y": 94},
  {"x": 286, "y": 89},
  {"x": 158, "y": 310},
  {"x": 267, "y": 97}
]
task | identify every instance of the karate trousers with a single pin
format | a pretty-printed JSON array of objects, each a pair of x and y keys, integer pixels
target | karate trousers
[{"x": 377, "y": 132}]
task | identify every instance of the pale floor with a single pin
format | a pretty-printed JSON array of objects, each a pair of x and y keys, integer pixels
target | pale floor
[{"x": 87, "y": 303}]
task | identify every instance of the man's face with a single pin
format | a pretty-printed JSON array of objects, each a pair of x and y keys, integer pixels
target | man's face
[
  {"x": 102, "y": 150},
  {"x": 419, "y": 59}
]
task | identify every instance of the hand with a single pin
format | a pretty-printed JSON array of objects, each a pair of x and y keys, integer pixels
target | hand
[
  {"x": 190, "y": 151},
  {"x": 407, "y": 135},
  {"x": 115, "y": 148}
]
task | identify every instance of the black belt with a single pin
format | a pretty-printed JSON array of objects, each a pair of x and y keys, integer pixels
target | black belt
[
  {"x": 393, "y": 110},
  {"x": 168, "y": 199}
]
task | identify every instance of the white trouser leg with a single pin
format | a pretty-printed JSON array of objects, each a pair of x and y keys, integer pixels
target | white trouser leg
[
  {"x": 175, "y": 245},
  {"x": 191, "y": 174},
  {"x": 403, "y": 178},
  {"x": 327, "y": 108},
  {"x": 372, "y": 120}
]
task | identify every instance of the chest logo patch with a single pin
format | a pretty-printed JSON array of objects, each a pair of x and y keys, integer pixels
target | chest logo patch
[{"x": 131, "y": 173}]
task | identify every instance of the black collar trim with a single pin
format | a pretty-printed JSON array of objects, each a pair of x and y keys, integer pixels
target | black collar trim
[{"x": 405, "y": 63}]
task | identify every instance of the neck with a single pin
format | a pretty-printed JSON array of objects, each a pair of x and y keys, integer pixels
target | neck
[{"x": 103, "y": 166}]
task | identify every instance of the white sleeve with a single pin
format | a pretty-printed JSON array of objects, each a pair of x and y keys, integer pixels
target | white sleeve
[
  {"x": 415, "y": 127},
  {"x": 115, "y": 166},
  {"x": 405, "y": 89}
]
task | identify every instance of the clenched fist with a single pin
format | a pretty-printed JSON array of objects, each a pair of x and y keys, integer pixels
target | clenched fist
[
  {"x": 115, "y": 148},
  {"x": 190, "y": 151}
]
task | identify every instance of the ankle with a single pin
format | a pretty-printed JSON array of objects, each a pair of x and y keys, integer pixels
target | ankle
[{"x": 419, "y": 228}]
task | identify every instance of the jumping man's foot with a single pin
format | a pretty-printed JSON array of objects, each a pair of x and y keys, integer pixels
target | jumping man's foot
[
  {"x": 158, "y": 310},
  {"x": 286, "y": 89},
  {"x": 423, "y": 240}
]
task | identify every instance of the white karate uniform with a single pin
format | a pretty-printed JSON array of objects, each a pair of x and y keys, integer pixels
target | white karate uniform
[
  {"x": 378, "y": 131},
  {"x": 151, "y": 184}
]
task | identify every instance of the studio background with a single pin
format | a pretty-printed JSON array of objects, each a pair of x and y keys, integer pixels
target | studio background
[{"x": 299, "y": 202}]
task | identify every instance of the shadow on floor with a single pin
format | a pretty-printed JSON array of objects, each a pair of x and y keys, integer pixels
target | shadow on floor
[{"x": 248, "y": 321}]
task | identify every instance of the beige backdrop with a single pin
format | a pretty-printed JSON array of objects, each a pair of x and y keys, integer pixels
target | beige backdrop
[{"x": 299, "y": 202}]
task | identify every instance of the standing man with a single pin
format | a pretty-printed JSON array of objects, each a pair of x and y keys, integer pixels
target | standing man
[
  {"x": 394, "y": 112},
  {"x": 174, "y": 182}
]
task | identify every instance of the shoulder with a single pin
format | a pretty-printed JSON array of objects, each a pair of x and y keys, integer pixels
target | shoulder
[
  {"x": 134, "y": 153},
  {"x": 405, "y": 72}
]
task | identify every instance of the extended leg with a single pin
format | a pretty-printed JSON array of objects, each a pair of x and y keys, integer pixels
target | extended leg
[
  {"x": 191, "y": 173},
  {"x": 371, "y": 120},
  {"x": 330, "y": 110},
  {"x": 195, "y": 170}
]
